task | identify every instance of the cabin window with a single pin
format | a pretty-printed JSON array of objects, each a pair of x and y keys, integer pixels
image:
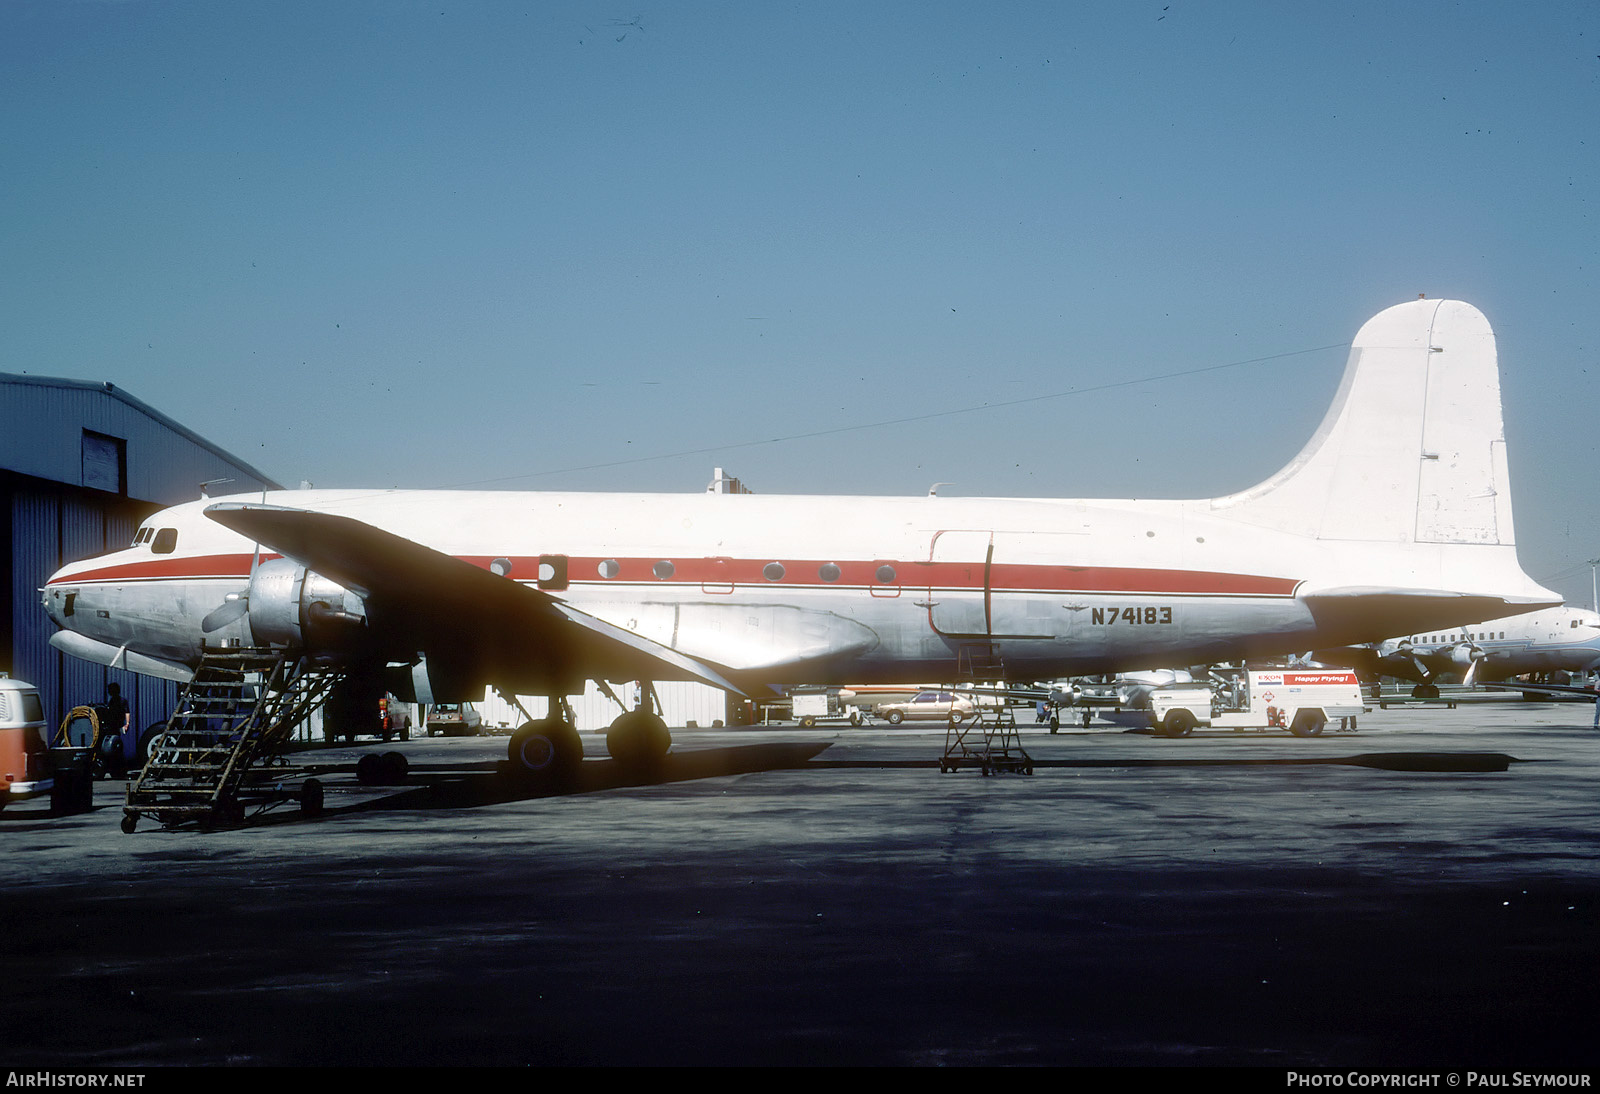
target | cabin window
[
  {"x": 885, "y": 574},
  {"x": 828, "y": 572},
  {"x": 553, "y": 572},
  {"x": 610, "y": 568},
  {"x": 772, "y": 571},
  {"x": 663, "y": 569},
  {"x": 166, "y": 541}
]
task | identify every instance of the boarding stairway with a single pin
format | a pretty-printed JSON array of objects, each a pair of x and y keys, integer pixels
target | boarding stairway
[{"x": 237, "y": 712}]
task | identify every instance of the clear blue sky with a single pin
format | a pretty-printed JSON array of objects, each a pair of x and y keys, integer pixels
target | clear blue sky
[{"x": 407, "y": 244}]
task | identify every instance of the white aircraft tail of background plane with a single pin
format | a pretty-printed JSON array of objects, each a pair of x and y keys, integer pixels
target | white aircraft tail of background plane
[{"x": 1394, "y": 519}]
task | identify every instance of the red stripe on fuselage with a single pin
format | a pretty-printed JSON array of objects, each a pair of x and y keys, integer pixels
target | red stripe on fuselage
[
  {"x": 723, "y": 572},
  {"x": 175, "y": 567}
]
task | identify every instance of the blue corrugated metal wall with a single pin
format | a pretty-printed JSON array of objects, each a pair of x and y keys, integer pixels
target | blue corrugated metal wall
[
  {"x": 54, "y": 519},
  {"x": 48, "y": 528}
]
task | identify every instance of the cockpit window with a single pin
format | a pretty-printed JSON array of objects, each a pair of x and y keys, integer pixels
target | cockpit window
[{"x": 166, "y": 541}]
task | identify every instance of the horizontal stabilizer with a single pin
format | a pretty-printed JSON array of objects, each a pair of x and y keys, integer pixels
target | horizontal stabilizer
[{"x": 1353, "y": 614}]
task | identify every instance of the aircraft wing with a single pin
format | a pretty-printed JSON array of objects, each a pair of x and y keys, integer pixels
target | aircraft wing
[
  {"x": 461, "y": 617},
  {"x": 1553, "y": 689}
]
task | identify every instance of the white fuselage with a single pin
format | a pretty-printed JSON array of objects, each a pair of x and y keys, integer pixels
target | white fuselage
[
  {"x": 1561, "y": 639},
  {"x": 876, "y": 588},
  {"x": 1394, "y": 518}
]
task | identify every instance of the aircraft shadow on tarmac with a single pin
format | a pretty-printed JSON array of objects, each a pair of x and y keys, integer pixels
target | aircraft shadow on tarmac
[
  {"x": 467, "y": 786},
  {"x": 472, "y": 785}
]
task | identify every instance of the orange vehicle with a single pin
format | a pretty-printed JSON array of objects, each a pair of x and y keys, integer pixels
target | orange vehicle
[{"x": 24, "y": 753}]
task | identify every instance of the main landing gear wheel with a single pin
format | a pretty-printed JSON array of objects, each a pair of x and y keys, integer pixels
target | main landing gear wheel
[
  {"x": 1425, "y": 691},
  {"x": 545, "y": 752},
  {"x": 638, "y": 738}
]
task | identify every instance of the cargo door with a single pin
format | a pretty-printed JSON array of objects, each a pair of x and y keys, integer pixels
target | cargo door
[{"x": 960, "y": 563}]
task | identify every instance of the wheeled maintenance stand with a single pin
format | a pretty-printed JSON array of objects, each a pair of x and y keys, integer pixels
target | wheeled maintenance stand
[
  {"x": 989, "y": 742},
  {"x": 235, "y": 715}
]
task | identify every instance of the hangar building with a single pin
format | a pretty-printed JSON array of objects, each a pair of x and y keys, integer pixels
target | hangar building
[{"x": 81, "y": 464}]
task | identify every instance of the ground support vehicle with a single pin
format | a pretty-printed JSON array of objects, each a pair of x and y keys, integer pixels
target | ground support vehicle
[
  {"x": 813, "y": 705},
  {"x": 1301, "y": 701},
  {"x": 29, "y": 766},
  {"x": 988, "y": 741}
]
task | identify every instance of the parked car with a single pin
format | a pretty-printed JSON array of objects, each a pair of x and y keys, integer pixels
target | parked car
[
  {"x": 396, "y": 720},
  {"x": 454, "y": 720},
  {"x": 942, "y": 706}
]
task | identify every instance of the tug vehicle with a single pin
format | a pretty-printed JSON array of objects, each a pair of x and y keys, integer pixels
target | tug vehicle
[{"x": 1301, "y": 701}]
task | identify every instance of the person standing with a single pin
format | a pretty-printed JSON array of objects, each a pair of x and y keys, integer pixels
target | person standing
[{"x": 119, "y": 719}]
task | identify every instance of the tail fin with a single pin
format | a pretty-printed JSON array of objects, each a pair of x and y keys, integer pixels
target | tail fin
[
  {"x": 1413, "y": 448},
  {"x": 1405, "y": 485}
]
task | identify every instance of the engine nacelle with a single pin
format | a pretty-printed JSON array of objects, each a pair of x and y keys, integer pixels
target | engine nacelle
[
  {"x": 291, "y": 606},
  {"x": 425, "y": 681}
]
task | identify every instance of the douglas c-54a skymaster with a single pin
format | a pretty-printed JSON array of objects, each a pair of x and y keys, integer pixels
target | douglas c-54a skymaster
[{"x": 1394, "y": 519}]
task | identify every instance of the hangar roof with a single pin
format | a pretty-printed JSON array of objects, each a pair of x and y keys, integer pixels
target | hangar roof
[{"x": 95, "y": 435}]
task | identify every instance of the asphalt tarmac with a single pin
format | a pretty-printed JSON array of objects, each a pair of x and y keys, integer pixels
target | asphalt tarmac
[{"x": 1423, "y": 893}]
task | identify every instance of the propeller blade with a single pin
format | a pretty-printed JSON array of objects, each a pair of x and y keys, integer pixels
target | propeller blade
[{"x": 232, "y": 607}]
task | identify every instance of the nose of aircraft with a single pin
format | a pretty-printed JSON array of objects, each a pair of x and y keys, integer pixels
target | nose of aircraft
[{"x": 57, "y": 599}]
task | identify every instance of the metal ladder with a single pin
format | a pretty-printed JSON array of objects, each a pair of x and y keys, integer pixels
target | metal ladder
[
  {"x": 990, "y": 743},
  {"x": 237, "y": 711},
  {"x": 978, "y": 661}
]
